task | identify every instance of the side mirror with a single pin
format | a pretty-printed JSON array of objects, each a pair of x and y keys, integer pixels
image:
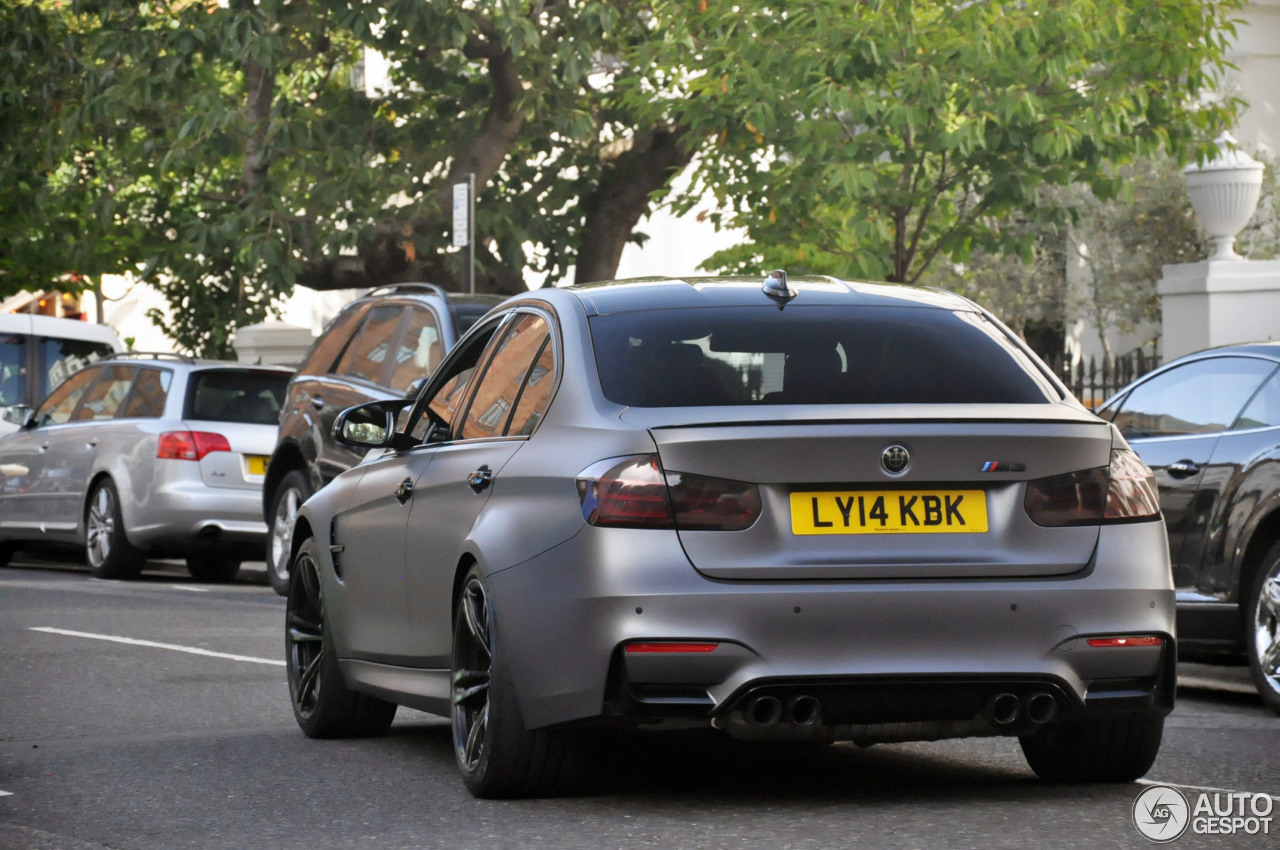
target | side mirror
[
  {"x": 369, "y": 426},
  {"x": 20, "y": 415}
]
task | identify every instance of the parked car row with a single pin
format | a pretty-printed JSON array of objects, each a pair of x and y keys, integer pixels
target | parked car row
[{"x": 128, "y": 456}]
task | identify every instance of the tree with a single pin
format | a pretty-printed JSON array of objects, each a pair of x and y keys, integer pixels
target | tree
[
  {"x": 264, "y": 166},
  {"x": 869, "y": 138}
]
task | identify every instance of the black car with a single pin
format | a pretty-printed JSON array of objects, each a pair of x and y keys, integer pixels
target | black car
[
  {"x": 1209, "y": 425},
  {"x": 380, "y": 346}
]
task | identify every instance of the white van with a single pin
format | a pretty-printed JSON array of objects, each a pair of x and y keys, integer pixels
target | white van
[{"x": 39, "y": 352}]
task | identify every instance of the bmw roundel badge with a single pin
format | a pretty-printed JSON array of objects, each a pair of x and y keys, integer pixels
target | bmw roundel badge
[{"x": 895, "y": 459}]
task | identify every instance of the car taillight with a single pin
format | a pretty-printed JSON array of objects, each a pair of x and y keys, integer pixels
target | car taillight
[
  {"x": 190, "y": 445},
  {"x": 1123, "y": 492},
  {"x": 635, "y": 493}
]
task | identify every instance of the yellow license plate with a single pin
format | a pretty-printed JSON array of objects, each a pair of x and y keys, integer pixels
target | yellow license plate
[
  {"x": 889, "y": 512},
  {"x": 257, "y": 465}
]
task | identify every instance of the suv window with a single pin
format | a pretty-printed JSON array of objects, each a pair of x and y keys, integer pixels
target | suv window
[
  {"x": 330, "y": 343},
  {"x": 368, "y": 353},
  {"x": 1197, "y": 398},
  {"x": 104, "y": 398},
  {"x": 61, "y": 403},
  {"x": 824, "y": 355},
  {"x": 504, "y": 379},
  {"x": 419, "y": 351}
]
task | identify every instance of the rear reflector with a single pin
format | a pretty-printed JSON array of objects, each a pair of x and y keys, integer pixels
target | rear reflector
[
  {"x": 190, "y": 445},
  {"x": 1140, "y": 640},
  {"x": 672, "y": 647}
]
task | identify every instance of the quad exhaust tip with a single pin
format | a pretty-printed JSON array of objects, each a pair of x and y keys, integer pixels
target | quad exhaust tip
[{"x": 1004, "y": 709}]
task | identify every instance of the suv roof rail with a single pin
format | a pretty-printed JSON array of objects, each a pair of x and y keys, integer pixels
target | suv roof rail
[
  {"x": 394, "y": 288},
  {"x": 151, "y": 355}
]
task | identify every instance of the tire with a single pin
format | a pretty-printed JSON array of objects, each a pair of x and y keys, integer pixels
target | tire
[
  {"x": 107, "y": 548},
  {"x": 1262, "y": 629},
  {"x": 497, "y": 756},
  {"x": 1114, "y": 748},
  {"x": 322, "y": 704},
  {"x": 212, "y": 569},
  {"x": 293, "y": 491}
]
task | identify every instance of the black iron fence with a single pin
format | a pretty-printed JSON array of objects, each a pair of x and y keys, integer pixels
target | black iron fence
[{"x": 1096, "y": 379}]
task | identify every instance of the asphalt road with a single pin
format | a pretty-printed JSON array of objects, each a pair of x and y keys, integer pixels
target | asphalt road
[{"x": 154, "y": 715}]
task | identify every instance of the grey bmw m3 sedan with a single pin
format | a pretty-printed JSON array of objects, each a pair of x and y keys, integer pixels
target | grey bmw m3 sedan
[{"x": 809, "y": 510}]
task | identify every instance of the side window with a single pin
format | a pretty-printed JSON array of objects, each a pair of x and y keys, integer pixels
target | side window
[
  {"x": 499, "y": 389},
  {"x": 13, "y": 369},
  {"x": 62, "y": 358},
  {"x": 104, "y": 397},
  {"x": 58, "y": 407},
  {"x": 442, "y": 408},
  {"x": 536, "y": 393},
  {"x": 1198, "y": 398},
  {"x": 1264, "y": 410},
  {"x": 325, "y": 350},
  {"x": 149, "y": 394},
  {"x": 369, "y": 352},
  {"x": 419, "y": 350}
]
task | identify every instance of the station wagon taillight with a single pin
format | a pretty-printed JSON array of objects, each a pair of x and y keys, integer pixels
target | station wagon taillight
[
  {"x": 190, "y": 445},
  {"x": 635, "y": 492},
  {"x": 1123, "y": 492}
]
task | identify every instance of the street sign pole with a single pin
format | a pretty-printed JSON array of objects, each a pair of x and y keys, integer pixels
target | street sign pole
[{"x": 464, "y": 220}]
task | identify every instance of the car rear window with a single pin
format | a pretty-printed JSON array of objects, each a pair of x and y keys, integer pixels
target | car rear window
[
  {"x": 812, "y": 355},
  {"x": 236, "y": 395}
]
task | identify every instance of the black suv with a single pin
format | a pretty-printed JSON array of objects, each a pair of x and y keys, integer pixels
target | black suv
[{"x": 381, "y": 346}]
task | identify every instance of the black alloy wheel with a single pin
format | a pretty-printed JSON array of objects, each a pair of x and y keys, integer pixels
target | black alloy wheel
[{"x": 323, "y": 705}]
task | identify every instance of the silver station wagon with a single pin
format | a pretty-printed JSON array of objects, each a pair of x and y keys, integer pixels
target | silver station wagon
[
  {"x": 144, "y": 455},
  {"x": 809, "y": 510}
]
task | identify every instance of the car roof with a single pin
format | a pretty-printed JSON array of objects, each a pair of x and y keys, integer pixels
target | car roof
[
  {"x": 743, "y": 291},
  {"x": 35, "y": 323}
]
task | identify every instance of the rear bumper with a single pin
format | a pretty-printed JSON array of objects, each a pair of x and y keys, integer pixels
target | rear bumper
[
  {"x": 566, "y": 616},
  {"x": 182, "y": 516}
]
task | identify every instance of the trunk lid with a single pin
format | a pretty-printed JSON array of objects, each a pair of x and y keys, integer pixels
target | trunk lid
[{"x": 831, "y": 511}]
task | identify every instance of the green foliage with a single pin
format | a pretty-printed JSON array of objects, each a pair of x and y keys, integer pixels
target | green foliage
[{"x": 867, "y": 138}]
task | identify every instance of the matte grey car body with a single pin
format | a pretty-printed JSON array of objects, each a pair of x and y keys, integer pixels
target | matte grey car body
[
  {"x": 144, "y": 455},
  {"x": 636, "y": 514}
]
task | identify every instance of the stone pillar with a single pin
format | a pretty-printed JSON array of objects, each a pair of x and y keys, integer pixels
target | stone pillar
[
  {"x": 1218, "y": 303},
  {"x": 1226, "y": 299}
]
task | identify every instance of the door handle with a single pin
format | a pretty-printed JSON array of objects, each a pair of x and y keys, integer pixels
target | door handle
[
  {"x": 44, "y": 447},
  {"x": 91, "y": 444},
  {"x": 1182, "y": 469},
  {"x": 405, "y": 491},
  {"x": 317, "y": 402},
  {"x": 480, "y": 479}
]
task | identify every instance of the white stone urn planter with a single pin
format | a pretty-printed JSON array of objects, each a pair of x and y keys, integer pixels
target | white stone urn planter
[{"x": 1224, "y": 194}]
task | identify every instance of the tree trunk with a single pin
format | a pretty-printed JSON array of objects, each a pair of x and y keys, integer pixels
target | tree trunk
[{"x": 621, "y": 198}]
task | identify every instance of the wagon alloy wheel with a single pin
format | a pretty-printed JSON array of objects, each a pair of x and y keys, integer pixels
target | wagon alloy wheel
[
  {"x": 305, "y": 637},
  {"x": 107, "y": 549},
  {"x": 323, "y": 705},
  {"x": 472, "y": 665},
  {"x": 1262, "y": 637}
]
